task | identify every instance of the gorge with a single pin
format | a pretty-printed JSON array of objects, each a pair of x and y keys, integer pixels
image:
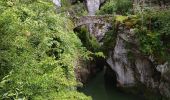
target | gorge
[
  {"x": 137, "y": 71},
  {"x": 85, "y": 50}
]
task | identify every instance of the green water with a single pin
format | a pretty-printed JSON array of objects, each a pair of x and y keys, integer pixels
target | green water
[{"x": 98, "y": 90}]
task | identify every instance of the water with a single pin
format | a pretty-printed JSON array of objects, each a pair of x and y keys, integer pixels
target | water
[{"x": 98, "y": 90}]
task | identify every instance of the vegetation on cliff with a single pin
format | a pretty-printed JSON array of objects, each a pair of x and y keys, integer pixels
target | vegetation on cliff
[
  {"x": 38, "y": 52},
  {"x": 116, "y": 6},
  {"x": 151, "y": 26},
  {"x": 154, "y": 35}
]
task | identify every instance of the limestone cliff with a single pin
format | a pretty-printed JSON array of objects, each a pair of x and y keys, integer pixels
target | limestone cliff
[{"x": 140, "y": 70}]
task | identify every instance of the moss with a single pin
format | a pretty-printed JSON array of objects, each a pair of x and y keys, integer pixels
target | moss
[
  {"x": 127, "y": 21},
  {"x": 121, "y": 18}
]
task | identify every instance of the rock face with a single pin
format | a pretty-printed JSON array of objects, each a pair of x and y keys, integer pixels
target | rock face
[
  {"x": 57, "y": 3},
  {"x": 85, "y": 70},
  {"x": 164, "y": 86},
  {"x": 119, "y": 63},
  {"x": 92, "y": 6},
  {"x": 100, "y": 30},
  {"x": 97, "y": 30},
  {"x": 139, "y": 70}
]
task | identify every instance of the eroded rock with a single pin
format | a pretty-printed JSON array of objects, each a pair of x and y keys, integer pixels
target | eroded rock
[{"x": 140, "y": 69}]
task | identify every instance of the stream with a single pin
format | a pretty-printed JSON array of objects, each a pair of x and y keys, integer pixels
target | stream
[{"x": 98, "y": 89}]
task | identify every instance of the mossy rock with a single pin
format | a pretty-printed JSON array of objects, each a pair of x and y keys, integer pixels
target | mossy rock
[{"x": 128, "y": 21}]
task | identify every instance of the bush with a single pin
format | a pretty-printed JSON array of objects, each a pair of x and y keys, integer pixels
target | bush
[
  {"x": 38, "y": 52},
  {"x": 116, "y": 6},
  {"x": 154, "y": 34}
]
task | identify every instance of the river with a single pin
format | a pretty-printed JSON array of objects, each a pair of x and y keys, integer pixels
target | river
[{"x": 98, "y": 90}]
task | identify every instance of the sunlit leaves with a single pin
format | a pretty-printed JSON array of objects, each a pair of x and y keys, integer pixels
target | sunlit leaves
[{"x": 38, "y": 51}]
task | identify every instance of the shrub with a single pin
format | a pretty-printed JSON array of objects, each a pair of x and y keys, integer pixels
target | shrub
[
  {"x": 38, "y": 52},
  {"x": 116, "y": 6}
]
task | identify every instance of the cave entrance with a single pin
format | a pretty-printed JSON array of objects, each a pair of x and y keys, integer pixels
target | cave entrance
[{"x": 103, "y": 87}]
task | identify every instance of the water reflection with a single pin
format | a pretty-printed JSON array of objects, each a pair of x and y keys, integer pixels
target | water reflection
[{"x": 99, "y": 89}]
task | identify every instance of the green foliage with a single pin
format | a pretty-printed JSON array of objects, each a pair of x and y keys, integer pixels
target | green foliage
[
  {"x": 154, "y": 34},
  {"x": 108, "y": 8},
  {"x": 121, "y": 19},
  {"x": 109, "y": 41},
  {"x": 124, "y": 6},
  {"x": 38, "y": 52},
  {"x": 99, "y": 54},
  {"x": 88, "y": 41},
  {"x": 77, "y": 9},
  {"x": 116, "y": 6}
]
